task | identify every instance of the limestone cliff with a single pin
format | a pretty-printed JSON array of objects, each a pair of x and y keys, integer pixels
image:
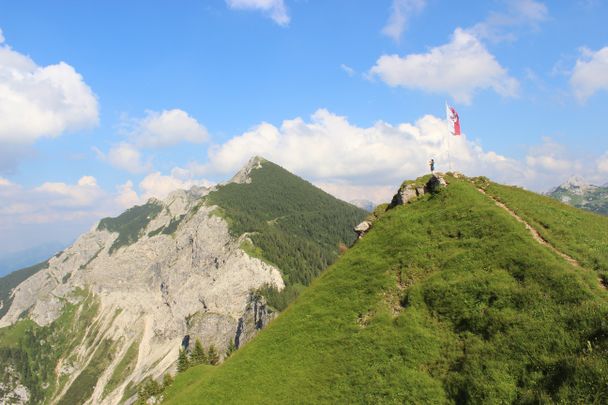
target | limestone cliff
[{"x": 182, "y": 274}]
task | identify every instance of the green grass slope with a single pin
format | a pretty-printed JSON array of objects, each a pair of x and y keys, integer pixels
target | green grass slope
[
  {"x": 580, "y": 234},
  {"x": 292, "y": 223},
  {"x": 446, "y": 300}
]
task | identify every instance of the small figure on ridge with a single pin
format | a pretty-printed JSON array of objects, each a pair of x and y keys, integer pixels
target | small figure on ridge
[{"x": 432, "y": 164}]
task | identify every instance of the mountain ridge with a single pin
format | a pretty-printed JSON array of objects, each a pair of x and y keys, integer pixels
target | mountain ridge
[{"x": 447, "y": 298}]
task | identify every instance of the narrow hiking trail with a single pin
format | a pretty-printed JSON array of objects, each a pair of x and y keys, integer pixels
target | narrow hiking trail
[{"x": 535, "y": 234}]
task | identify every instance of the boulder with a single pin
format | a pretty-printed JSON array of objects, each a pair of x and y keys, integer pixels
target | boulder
[
  {"x": 435, "y": 183},
  {"x": 363, "y": 228}
]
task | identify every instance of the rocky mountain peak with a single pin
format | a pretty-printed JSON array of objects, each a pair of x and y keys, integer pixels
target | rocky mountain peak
[
  {"x": 244, "y": 175},
  {"x": 576, "y": 185}
]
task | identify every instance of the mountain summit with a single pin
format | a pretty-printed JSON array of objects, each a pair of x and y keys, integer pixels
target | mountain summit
[
  {"x": 579, "y": 193},
  {"x": 208, "y": 264},
  {"x": 470, "y": 293}
]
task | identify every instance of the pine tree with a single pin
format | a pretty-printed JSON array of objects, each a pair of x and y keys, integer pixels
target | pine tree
[
  {"x": 212, "y": 356},
  {"x": 182, "y": 361},
  {"x": 167, "y": 380},
  {"x": 198, "y": 354},
  {"x": 231, "y": 348}
]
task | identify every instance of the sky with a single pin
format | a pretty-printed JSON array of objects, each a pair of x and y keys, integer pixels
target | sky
[{"x": 104, "y": 104}]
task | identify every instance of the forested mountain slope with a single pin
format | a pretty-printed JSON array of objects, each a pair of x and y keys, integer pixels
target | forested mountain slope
[{"x": 447, "y": 299}]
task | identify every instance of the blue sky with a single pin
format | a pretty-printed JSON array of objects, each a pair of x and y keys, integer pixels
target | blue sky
[{"x": 105, "y": 104}]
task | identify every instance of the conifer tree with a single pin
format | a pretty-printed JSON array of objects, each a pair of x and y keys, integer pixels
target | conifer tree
[
  {"x": 231, "y": 348},
  {"x": 182, "y": 361},
  {"x": 167, "y": 380},
  {"x": 198, "y": 354},
  {"x": 213, "y": 356}
]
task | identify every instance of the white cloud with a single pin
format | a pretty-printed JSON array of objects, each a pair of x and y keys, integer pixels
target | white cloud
[
  {"x": 459, "y": 68},
  {"x": 126, "y": 196},
  {"x": 498, "y": 27},
  {"x": 348, "y": 159},
  {"x": 159, "y": 186},
  {"x": 41, "y": 101},
  {"x": 348, "y": 70},
  {"x": 1, "y": 36},
  {"x": 83, "y": 193},
  {"x": 166, "y": 128},
  {"x": 4, "y": 182},
  {"x": 276, "y": 9},
  {"x": 590, "y": 73},
  {"x": 126, "y": 157},
  {"x": 401, "y": 10}
]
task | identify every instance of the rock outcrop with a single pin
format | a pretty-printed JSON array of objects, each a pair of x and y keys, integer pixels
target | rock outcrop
[
  {"x": 411, "y": 190},
  {"x": 363, "y": 228}
]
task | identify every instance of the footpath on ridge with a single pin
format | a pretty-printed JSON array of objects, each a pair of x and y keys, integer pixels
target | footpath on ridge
[{"x": 535, "y": 234}]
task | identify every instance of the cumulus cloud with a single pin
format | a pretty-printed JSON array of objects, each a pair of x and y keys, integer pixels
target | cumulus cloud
[
  {"x": 159, "y": 185},
  {"x": 275, "y": 9},
  {"x": 166, "y": 128},
  {"x": 590, "y": 73},
  {"x": 125, "y": 156},
  {"x": 126, "y": 196},
  {"x": 401, "y": 11},
  {"x": 41, "y": 101},
  {"x": 498, "y": 26},
  {"x": 348, "y": 158},
  {"x": 84, "y": 193},
  {"x": 459, "y": 68}
]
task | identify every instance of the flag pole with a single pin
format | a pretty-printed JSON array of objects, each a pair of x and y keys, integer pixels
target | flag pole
[{"x": 449, "y": 133}]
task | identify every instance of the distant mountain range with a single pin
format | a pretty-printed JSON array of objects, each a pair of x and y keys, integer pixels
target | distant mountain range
[
  {"x": 579, "y": 193},
  {"x": 28, "y": 257},
  {"x": 366, "y": 205}
]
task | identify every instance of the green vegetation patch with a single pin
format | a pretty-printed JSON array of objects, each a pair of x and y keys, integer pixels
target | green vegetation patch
[
  {"x": 84, "y": 385},
  {"x": 291, "y": 223},
  {"x": 130, "y": 223},
  {"x": 34, "y": 351},
  {"x": 173, "y": 224},
  {"x": 446, "y": 300},
  {"x": 123, "y": 369}
]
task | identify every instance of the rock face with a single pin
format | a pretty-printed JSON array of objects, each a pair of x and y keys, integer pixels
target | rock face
[
  {"x": 410, "y": 190},
  {"x": 244, "y": 175},
  {"x": 11, "y": 390},
  {"x": 183, "y": 274}
]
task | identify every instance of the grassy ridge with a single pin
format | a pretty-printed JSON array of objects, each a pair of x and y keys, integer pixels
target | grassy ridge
[
  {"x": 580, "y": 234},
  {"x": 445, "y": 300}
]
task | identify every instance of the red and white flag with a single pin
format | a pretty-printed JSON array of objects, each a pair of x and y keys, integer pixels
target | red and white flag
[{"x": 453, "y": 120}]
